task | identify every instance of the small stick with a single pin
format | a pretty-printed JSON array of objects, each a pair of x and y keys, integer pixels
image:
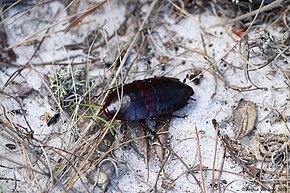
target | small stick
[
  {"x": 142, "y": 123},
  {"x": 214, "y": 122},
  {"x": 200, "y": 160},
  {"x": 272, "y": 5}
]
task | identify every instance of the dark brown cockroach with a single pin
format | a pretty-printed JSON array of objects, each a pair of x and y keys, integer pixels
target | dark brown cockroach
[{"x": 142, "y": 99}]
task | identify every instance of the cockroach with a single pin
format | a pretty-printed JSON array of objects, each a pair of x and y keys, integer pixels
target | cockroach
[{"x": 142, "y": 99}]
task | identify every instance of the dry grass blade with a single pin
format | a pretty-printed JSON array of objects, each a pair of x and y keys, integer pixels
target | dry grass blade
[
  {"x": 272, "y": 5},
  {"x": 200, "y": 161},
  {"x": 214, "y": 156},
  {"x": 87, "y": 12}
]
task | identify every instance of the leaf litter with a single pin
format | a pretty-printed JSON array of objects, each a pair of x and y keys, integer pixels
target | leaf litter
[{"x": 238, "y": 51}]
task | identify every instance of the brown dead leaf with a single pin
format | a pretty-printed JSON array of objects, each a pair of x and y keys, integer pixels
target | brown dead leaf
[
  {"x": 161, "y": 129},
  {"x": 138, "y": 140},
  {"x": 45, "y": 117},
  {"x": 244, "y": 118},
  {"x": 103, "y": 173},
  {"x": 141, "y": 144},
  {"x": 238, "y": 32},
  {"x": 163, "y": 59}
]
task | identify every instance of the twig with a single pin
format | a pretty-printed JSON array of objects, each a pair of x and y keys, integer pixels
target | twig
[
  {"x": 200, "y": 161},
  {"x": 272, "y": 5},
  {"x": 83, "y": 15},
  {"x": 214, "y": 156}
]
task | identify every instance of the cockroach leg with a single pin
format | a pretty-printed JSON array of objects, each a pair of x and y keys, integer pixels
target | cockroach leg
[
  {"x": 123, "y": 133},
  {"x": 143, "y": 124},
  {"x": 179, "y": 116}
]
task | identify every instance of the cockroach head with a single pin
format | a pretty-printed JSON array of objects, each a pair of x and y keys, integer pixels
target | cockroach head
[{"x": 115, "y": 105}]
